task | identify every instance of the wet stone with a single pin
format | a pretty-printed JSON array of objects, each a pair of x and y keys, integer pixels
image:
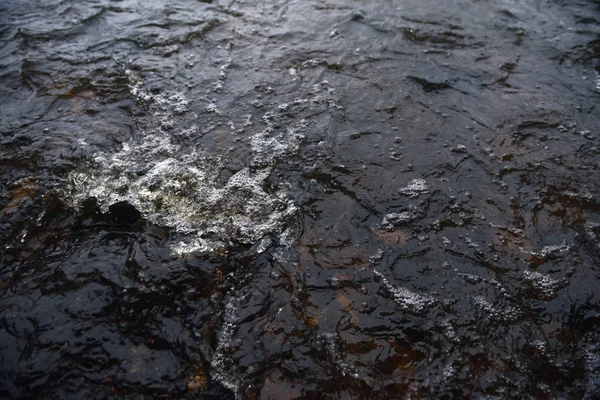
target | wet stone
[
  {"x": 431, "y": 80},
  {"x": 123, "y": 212},
  {"x": 357, "y": 15},
  {"x": 459, "y": 149}
]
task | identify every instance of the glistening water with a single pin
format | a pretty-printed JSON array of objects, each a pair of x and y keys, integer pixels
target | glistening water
[{"x": 289, "y": 199}]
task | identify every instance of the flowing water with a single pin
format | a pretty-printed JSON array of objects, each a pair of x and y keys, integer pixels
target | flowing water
[{"x": 281, "y": 199}]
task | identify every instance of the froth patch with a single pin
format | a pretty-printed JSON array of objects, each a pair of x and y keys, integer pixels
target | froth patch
[{"x": 180, "y": 190}]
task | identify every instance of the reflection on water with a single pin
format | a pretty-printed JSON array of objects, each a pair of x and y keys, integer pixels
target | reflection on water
[{"x": 299, "y": 199}]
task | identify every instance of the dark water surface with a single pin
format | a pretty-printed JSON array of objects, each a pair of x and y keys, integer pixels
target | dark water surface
[{"x": 299, "y": 199}]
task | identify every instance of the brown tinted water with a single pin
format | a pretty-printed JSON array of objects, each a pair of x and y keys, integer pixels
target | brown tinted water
[{"x": 299, "y": 199}]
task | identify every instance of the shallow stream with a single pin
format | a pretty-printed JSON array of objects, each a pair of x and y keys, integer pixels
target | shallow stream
[{"x": 299, "y": 199}]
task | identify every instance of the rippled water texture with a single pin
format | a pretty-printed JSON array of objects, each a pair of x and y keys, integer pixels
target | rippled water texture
[{"x": 299, "y": 199}]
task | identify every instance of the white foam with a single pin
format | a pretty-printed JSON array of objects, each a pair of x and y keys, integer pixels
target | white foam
[
  {"x": 220, "y": 368},
  {"x": 407, "y": 300},
  {"x": 181, "y": 192},
  {"x": 592, "y": 360},
  {"x": 415, "y": 188},
  {"x": 180, "y": 186},
  {"x": 394, "y": 220},
  {"x": 508, "y": 314},
  {"x": 541, "y": 282},
  {"x": 330, "y": 342},
  {"x": 268, "y": 148},
  {"x": 218, "y": 86},
  {"x": 553, "y": 250}
]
